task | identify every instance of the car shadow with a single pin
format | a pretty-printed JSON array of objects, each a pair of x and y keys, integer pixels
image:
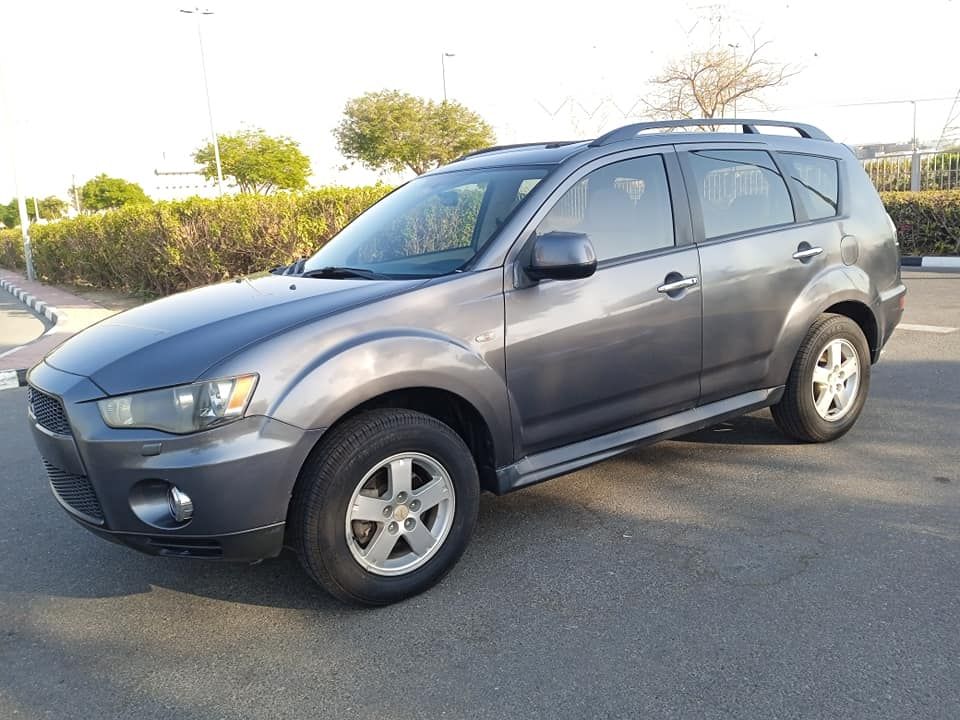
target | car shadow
[{"x": 755, "y": 429}]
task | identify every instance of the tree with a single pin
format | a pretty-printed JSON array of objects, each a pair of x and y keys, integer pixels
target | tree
[
  {"x": 10, "y": 214},
  {"x": 257, "y": 162},
  {"x": 707, "y": 83},
  {"x": 390, "y": 130},
  {"x": 51, "y": 208},
  {"x": 103, "y": 192}
]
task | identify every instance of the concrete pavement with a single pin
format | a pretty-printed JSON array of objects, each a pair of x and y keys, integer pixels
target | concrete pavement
[{"x": 727, "y": 574}]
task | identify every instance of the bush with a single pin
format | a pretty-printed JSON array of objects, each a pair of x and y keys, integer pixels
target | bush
[
  {"x": 928, "y": 222},
  {"x": 11, "y": 249},
  {"x": 165, "y": 247},
  {"x": 170, "y": 246}
]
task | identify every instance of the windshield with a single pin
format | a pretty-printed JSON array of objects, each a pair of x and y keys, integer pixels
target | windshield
[{"x": 431, "y": 226}]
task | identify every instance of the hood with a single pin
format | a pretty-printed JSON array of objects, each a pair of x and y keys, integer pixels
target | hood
[{"x": 173, "y": 340}]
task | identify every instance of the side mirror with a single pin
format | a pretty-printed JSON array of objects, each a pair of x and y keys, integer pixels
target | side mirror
[{"x": 561, "y": 256}]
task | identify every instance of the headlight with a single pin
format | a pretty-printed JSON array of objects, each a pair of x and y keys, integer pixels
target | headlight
[{"x": 182, "y": 409}]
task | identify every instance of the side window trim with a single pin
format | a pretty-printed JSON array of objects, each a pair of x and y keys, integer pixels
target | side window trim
[{"x": 696, "y": 206}]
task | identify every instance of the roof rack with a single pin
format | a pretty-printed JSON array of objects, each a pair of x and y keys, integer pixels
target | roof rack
[
  {"x": 495, "y": 148},
  {"x": 628, "y": 132}
]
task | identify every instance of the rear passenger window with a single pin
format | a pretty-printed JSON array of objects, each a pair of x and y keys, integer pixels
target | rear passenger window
[
  {"x": 623, "y": 207},
  {"x": 740, "y": 190},
  {"x": 817, "y": 182}
]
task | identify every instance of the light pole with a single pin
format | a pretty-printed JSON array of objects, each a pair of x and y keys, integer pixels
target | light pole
[
  {"x": 206, "y": 87},
  {"x": 6, "y": 122},
  {"x": 443, "y": 70},
  {"x": 736, "y": 77}
]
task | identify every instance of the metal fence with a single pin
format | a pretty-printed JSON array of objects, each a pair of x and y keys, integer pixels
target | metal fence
[{"x": 917, "y": 171}]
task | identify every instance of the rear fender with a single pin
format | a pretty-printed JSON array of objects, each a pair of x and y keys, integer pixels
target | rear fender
[{"x": 833, "y": 286}]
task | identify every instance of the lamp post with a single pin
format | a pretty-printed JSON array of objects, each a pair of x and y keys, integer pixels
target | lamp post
[
  {"x": 736, "y": 78},
  {"x": 206, "y": 87},
  {"x": 443, "y": 70}
]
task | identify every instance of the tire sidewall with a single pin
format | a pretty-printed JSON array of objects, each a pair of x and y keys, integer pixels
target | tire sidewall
[
  {"x": 325, "y": 532},
  {"x": 841, "y": 329}
]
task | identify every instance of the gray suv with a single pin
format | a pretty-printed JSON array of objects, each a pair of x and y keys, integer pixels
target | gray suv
[{"x": 515, "y": 315}]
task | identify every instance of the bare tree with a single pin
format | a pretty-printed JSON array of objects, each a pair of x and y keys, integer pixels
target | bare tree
[{"x": 706, "y": 83}]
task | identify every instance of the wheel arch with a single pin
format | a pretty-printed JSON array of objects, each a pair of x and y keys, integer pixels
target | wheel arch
[
  {"x": 832, "y": 292},
  {"x": 864, "y": 317}
]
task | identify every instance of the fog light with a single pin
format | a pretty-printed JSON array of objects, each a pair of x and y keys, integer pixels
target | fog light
[{"x": 181, "y": 506}]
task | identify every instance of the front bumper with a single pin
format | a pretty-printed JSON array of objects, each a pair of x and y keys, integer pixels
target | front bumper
[{"x": 240, "y": 476}]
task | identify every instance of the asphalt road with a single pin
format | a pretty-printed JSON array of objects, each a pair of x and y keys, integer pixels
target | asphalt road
[
  {"x": 729, "y": 574},
  {"x": 18, "y": 325}
]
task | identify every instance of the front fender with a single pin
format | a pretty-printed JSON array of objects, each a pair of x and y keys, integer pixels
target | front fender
[
  {"x": 834, "y": 285},
  {"x": 368, "y": 366}
]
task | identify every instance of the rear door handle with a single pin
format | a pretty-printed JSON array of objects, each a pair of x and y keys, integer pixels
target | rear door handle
[
  {"x": 678, "y": 285},
  {"x": 808, "y": 253}
]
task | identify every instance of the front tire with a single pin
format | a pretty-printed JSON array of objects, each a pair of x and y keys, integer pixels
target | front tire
[
  {"x": 828, "y": 382},
  {"x": 385, "y": 506}
]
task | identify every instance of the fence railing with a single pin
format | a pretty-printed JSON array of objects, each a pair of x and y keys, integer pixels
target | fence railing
[{"x": 917, "y": 171}]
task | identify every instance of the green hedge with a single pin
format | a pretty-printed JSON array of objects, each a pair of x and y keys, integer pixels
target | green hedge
[
  {"x": 165, "y": 247},
  {"x": 169, "y": 246},
  {"x": 928, "y": 222}
]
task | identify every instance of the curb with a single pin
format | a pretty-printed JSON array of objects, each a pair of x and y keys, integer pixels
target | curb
[
  {"x": 50, "y": 313},
  {"x": 18, "y": 378},
  {"x": 12, "y": 378},
  {"x": 930, "y": 262}
]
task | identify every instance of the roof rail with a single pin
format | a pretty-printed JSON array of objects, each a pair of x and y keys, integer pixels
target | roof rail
[
  {"x": 495, "y": 148},
  {"x": 628, "y": 132}
]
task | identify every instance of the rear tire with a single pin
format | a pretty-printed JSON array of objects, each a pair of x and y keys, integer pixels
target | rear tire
[
  {"x": 828, "y": 382},
  {"x": 385, "y": 506}
]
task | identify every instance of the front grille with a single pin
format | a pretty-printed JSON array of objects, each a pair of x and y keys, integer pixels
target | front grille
[
  {"x": 48, "y": 411},
  {"x": 76, "y": 492}
]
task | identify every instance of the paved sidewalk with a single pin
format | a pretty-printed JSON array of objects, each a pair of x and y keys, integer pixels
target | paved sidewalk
[{"x": 75, "y": 314}]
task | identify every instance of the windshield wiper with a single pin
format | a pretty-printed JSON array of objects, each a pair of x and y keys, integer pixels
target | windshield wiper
[{"x": 336, "y": 271}]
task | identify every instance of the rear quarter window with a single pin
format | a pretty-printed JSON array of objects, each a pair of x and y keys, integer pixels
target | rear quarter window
[{"x": 817, "y": 182}]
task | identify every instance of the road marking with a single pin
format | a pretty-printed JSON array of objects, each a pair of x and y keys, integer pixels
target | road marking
[{"x": 938, "y": 329}]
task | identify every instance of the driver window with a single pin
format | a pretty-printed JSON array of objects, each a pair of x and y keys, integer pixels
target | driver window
[{"x": 623, "y": 207}]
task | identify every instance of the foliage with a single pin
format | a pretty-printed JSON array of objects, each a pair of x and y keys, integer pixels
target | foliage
[
  {"x": 257, "y": 162},
  {"x": 105, "y": 193},
  {"x": 160, "y": 248},
  {"x": 928, "y": 222},
  {"x": 9, "y": 214},
  {"x": 51, "y": 208},
  {"x": 390, "y": 130},
  {"x": 11, "y": 249},
  {"x": 706, "y": 83},
  {"x": 171, "y": 246}
]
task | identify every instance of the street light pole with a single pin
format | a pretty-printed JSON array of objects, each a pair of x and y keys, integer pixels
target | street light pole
[
  {"x": 206, "y": 87},
  {"x": 443, "y": 70},
  {"x": 736, "y": 79}
]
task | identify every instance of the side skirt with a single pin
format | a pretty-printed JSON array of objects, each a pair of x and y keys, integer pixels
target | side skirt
[{"x": 562, "y": 460}]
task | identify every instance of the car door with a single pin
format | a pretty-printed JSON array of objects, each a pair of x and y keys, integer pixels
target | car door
[
  {"x": 593, "y": 355},
  {"x": 761, "y": 244}
]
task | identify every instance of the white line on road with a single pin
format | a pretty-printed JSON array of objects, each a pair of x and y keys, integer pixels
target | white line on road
[
  {"x": 938, "y": 329},
  {"x": 9, "y": 379}
]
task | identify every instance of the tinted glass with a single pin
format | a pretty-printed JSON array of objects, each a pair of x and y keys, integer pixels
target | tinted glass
[
  {"x": 740, "y": 190},
  {"x": 432, "y": 225},
  {"x": 817, "y": 181},
  {"x": 624, "y": 208}
]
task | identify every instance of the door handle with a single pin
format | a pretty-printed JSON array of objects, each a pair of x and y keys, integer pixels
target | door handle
[
  {"x": 678, "y": 285},
  {"x": 808, "y": 253}
]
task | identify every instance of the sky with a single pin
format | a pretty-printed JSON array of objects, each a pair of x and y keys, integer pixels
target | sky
[{"x": 115, "y": 87}]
